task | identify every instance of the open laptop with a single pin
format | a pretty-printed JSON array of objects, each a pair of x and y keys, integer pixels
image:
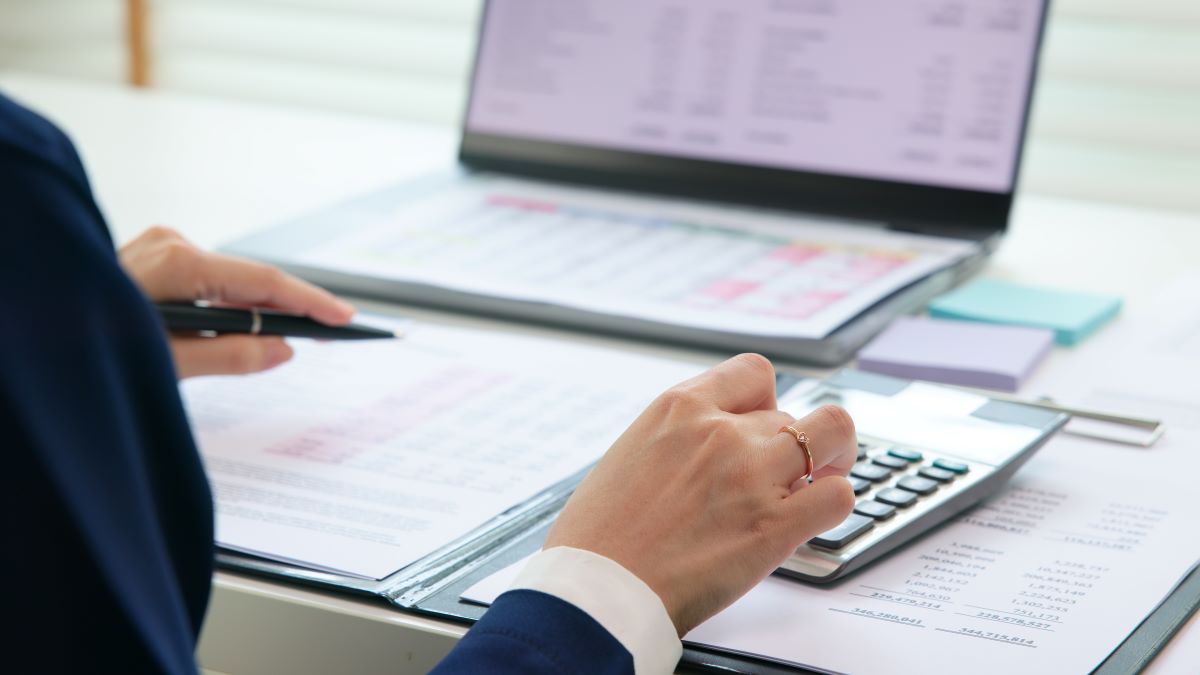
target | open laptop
[{"x": 783, "y": 176}]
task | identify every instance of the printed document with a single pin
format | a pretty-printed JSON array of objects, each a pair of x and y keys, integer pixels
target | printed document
[
  {"x": 668, "y": 261},
  {"x": 1050, "y": 576},
  {"x": 361, "y": 457}
]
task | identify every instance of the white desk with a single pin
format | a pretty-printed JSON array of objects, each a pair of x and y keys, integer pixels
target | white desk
[{"x": 217, "y": 170}]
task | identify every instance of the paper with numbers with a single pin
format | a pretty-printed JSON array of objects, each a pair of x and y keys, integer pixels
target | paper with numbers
[
  {"x": 663, "y": 260},
  {"x": 361, "y": 457},
  {"x": 1048, "y": 577}
]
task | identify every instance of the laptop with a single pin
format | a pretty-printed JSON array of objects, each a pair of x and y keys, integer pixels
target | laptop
[{"x": 782, "y": 176}]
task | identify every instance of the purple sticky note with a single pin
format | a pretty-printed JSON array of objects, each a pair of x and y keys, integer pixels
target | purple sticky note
[{"x": 957, "y": 352}]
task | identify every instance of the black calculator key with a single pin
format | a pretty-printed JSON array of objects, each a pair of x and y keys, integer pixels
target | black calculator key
[
  {"x": 906, "y": 455},
  {"x": 897, "y": 497},
  {"x": 940, "y": 475},
  {"x": 860, "y": 486},
  {"x": 870, "y": 472},
  {"x": 851, "y": 528},
  {"x": 955, "y": 467},
  {"x": 874, "y": 509},
  {"x": 862, "y": 450},
  {"x": 889, "y": 461},
  {"x": 917, "y": 484}
]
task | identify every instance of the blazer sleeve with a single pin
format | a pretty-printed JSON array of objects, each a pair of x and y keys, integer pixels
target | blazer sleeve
[
  {"x": 530, "y": 632},
  {"x": 107, "y": 517}
]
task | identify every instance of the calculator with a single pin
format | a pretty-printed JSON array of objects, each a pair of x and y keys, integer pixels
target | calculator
[{"x": 926, "y": 453}]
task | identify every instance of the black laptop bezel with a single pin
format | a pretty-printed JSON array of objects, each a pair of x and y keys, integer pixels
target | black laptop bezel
[{"x": 969, "y": 214}]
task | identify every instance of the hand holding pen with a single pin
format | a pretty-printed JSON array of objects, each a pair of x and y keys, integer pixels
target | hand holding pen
[{"x": 168, "y": 269}]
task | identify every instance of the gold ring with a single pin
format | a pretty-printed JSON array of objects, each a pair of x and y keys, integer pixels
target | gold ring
[{"x": 802, "y": 441}]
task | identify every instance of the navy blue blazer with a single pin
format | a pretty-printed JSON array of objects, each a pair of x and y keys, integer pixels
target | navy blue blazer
[{"x": 108, "y": 527}]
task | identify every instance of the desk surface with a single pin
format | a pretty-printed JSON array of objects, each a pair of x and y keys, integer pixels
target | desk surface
[{"x": 216, "y": 170}]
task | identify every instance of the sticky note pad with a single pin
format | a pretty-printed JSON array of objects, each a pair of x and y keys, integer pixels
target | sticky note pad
[
  {"x": 957, "y": 352},
  {"x": 1072, "y": 316}
]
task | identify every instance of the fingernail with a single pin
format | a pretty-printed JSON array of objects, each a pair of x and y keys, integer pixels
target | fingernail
[
  {"x": 277, "y": 352},
  {"x": 345, "y": 308}
]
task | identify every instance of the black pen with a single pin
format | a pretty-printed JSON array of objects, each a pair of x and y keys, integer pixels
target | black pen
[{"x": 188, "y": 317}]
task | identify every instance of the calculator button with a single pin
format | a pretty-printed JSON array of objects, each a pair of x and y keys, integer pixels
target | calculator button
[
  {"x": 906, "y": 455},
  {"x": 917, "y": 484},
  {"x": 874, "y": 509},
  {"x": 851, "y": 528},
  {"x": 940, "y": 475},
  {"x": 860, "y": 486},
  {"x": 955, "y": 467},
  {"x": 870, "y": 472},
  {"x": 897, "y": 497},
  {"x": 862, "y": 450},
  {"x": 889, "y": 461}
]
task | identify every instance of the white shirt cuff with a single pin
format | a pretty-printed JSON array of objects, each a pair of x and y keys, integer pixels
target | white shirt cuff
[{"x": 612, "y": 595}]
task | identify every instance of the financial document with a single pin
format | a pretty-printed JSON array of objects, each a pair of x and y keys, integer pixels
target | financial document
[
  {"x": 1050, "y": 576},
  {"x": 668, "y": 261},
  {"x": 360, "y": 458}
]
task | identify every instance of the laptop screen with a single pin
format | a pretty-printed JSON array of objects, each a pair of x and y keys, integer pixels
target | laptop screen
[{"x": 927, "y": 92}]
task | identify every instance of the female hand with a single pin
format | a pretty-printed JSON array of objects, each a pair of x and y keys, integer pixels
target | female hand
[
  {"x": 168, "y": 268},
  {"x": 700, "y": 497}
]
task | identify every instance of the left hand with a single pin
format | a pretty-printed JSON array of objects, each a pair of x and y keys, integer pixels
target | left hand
[{"x": 167, "y": 268}]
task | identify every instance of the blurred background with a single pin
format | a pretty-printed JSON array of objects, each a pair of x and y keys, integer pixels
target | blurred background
[{"x": 1116, "y": 115}]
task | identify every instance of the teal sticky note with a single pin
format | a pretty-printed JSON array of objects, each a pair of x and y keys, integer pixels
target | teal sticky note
[{"x": 1072, "y": 316}]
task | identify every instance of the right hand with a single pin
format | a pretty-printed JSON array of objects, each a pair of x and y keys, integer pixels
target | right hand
[{"x": 700, "y": 497}]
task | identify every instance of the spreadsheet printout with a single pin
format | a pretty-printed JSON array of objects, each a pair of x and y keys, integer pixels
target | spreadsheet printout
[
  {"x": 662, "y": 260},
  {"x": 361, "y": 457}
]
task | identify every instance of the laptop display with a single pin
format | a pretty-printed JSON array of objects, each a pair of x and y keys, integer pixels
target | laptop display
[{"x": 924, "y": 92}]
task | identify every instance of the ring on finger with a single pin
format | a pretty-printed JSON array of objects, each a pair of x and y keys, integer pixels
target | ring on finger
[{"x": 802, "y": 441}]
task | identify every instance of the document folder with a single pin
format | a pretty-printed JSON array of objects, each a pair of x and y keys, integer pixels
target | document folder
[
  {"x": 359, "y": 248},
  {"x": 433, "y": 585},
  {"x": 434, "y": 589}
]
